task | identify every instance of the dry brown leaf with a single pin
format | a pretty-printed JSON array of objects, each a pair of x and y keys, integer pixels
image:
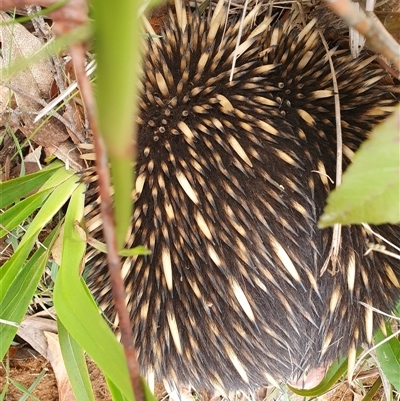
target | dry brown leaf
[
  {"x": 5, "y": 93},
  {"x": 28, "y": 87},
  {"x": 31, "y": 330},
  {"x": 18, "y": 42},
  {"x": 56, "y": 249}
]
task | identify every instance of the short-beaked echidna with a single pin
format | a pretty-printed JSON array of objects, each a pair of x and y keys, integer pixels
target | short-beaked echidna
[{"x": 232, "y": 176}]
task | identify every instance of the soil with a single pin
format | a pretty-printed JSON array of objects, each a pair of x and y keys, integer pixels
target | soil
[
  {"x": 23, "y": 373},
  {"x": 23, "y": 368}
]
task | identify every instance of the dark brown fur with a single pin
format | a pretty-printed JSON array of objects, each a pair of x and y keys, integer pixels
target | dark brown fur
[{"x": 231, "y": 180}]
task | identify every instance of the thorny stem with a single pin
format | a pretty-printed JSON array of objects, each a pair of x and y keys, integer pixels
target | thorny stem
[{"x": 118, "y": 289}]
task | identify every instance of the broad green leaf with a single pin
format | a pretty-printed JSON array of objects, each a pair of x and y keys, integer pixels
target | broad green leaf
[
  {"x": 77, "y": 310},
  {"x": 75, "y": 363},
  {"x": 13, "y": 190},
  {"x": 388, "y": 355},
  {"x": 370, "y": 191},
  {"x": 116, "y": 394},
  {"x": 21, "y": 211},
  {"x": 18, "y": 287},
  {"x": 117, "y": 42}
]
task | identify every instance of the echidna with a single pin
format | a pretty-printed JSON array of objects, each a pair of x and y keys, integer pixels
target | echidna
[{"x": 232, "y": 176}]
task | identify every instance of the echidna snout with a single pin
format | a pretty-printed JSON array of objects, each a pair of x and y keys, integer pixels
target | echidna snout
[{"x": 232, "y": 176}]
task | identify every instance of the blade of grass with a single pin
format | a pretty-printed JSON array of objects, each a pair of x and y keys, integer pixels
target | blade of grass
[
  {"x": 19, "y": 278},
  {"x": 77, "y": 310},
  {"x": 75, "y": 363},
  {"x": 62, "y": 192},
  {"x": 334, "y": 373},
  {"x": 13, "y": 190},
  {"x": 19, "y": 285},
  {"x": 21, "y": 211}
]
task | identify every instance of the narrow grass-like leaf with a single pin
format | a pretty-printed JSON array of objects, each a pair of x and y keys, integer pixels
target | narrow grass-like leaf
[
  {"x": 42, "y": 12},
  {"x": 370, "y": 191},
  {"x": 373, "y": 390},
  {"x": 388, "y": 355},
  {"x": 19, "y": 278},
  {"x": 75, "y": 363},
  {"x": 137, "y": 250},
  {"x": 21, "y": 211},
  {"x": 54, "y": 203},
  {"x": 26, "y": 392},
  {"x": 18, "y": 286},
  {"x": 13, "y": 190},
  {"x": 77, "y": 310},
  {"x": 334, "y": 373},
  {"x": 32, "y": 387},
  {"x": 64, "y": 183},
  {"x": 11, "y": 267}
]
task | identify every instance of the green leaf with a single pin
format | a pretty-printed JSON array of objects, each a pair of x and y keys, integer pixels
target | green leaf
[
  {"x": 75, "y": 363},
  {"x": 334, "y": 373},
  {"x": 148, "y": 395},
  {"x": 54, "y": 203},
  {"x": 77, "y": 310},
  {"x": 370, "y": 191},
  {"x": 117, "y": 42},
  {"x": 19, "y": 278},
  {"x": 18, "y": 286},
  {"x": 116, "y": 394},
  {"x": 388, "y": 355},
  {"x": 13, "y": 190},
  {"x": 137, "y": 250},
  {"x": 21, "y": 211},
  {"x": 65, "y": 184},
  {"x": 373, "y": 390}
]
